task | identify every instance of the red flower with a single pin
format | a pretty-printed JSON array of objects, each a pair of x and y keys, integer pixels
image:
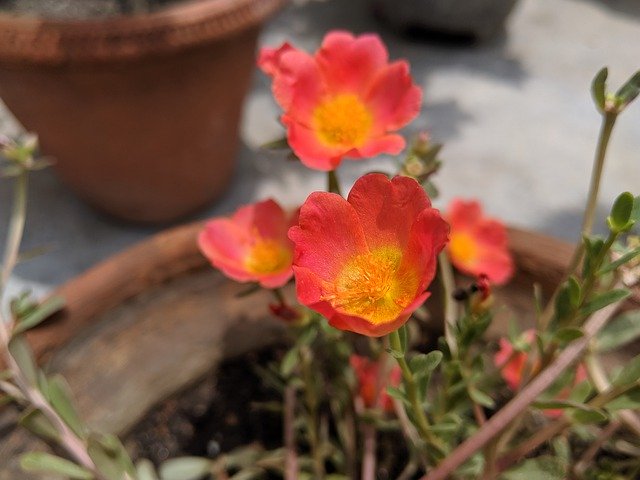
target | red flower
[
  {"x": 365, "y": 263},
  {"x": 367, "y": 372},
  {"x": 511, "y": 364},
  {"x": 344, "y": 101},
  {"x": 252, "y": 245},
  {"x": 479, "y": 245}
]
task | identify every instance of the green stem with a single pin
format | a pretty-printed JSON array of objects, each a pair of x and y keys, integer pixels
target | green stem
[
  {"x": 74, "y": 445},
  {"x": 419, "y": 416},
  {"x": 606, "y": 128},
  {"x": 450, "y": 308},
  {"x": 333, "y": 184},
  {"x": 16, "y": 229},
  {"x": 312, "y": 407},
  {"x": 608, "y": 122}
]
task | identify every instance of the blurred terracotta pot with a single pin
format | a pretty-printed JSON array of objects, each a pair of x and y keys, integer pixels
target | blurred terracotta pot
[{"x": 141, "y": 112}]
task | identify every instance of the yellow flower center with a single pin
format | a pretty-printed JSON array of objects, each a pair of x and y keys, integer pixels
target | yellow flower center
[
  {"x": 267, "y": 256},
  {"x": 372, "y": 287},
  {"x": 342, "y": 121},
  {"x": 463, "y": 248}
]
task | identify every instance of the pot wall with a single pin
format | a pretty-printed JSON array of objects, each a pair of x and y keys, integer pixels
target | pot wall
[{"x": 147, "y": 140}]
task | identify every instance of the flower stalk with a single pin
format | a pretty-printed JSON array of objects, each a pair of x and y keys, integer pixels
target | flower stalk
[
  {"x": 419, "y": 416},
  {"x": 69, "y": 440}
]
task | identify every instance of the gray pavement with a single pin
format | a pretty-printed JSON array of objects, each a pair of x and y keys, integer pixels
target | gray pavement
[{"x": 515, "y": 115}]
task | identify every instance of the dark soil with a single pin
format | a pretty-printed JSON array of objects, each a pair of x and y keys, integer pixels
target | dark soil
[
  {"x": 219, "y": 414},
  {"x": 81, "y": 9},
  {"x": 228, "y": 410}
]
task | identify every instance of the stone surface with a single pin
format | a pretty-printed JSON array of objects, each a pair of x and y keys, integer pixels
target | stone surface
[{"x": 515, "y": 115}]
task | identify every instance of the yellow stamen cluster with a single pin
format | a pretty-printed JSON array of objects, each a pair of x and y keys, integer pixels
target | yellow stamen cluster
[
  {"x": 372, "y": 286},
  {"x": 343, "y": 121},
  {"x": 267, "y": 256}
]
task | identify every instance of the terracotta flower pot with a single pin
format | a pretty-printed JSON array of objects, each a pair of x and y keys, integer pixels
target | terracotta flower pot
[{"x": 141, "y": 112}]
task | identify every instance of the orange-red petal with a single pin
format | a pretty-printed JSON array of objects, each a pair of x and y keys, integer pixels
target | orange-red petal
[
  {"x": 349, "y": 63},
  {"x": 345, "y": 101},
  {"x": 479, "y": 244},
  {"x": 252, "y": 245},
  {"x": 365, "y": 263},
  {"x": 387, "y": 209},
  {"x": 393, "y": 97}
]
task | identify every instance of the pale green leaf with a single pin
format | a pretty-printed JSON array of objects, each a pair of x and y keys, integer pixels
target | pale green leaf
[
  {"x": 185, "y": 468},
  {"x": 621, "y": 331},
  {"x": 42, "y": 462}
]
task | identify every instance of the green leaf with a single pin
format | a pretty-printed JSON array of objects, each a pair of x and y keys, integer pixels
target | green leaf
[
  {"x": 22, "y": 305},
  {"x": 444, "y": 428},
  {"x": 481, "y": 397},
  {"x": 563, "y": 304},
  {"x": 61, "y": 400},
  {"x": 145, "y": 470},
  {"x": 308, "y": 336},
  {"x": 619, "y": 262},
  {"x": 599, "y": 88},
  {"x": 289, "y": 362},
  {"x": 629, "y": 91},
  {"x": 544, "y": 467},
  {"x": 35, "y": 421},
  {"x": 422, "y": 363},
  {"x": 581, "y": 392},
  {"x": 110, "y": 459},
  {"x": 575, "y": 293},
  {"x": 589, "y": 416},
  {"x": 619, "y": 219},
  {"x": 42, "y": 462},
  {"x": 257, "y": 473},
  {"x": 395, "y": 353},
  {"x": 21, "y": 353},
  {"x": 602, "y": 300},
  {"x": 557, "y": 404},
  {"x": 629, "y": 374},
  {"x": 629, "y": 400},
  {"x": 397, "y": 393},
  {"x": 185, "y": 468},
  {"x": 41, "y": 313},
  {"x": 568, "y": 334},
  {"x": 620, "y": 331}
]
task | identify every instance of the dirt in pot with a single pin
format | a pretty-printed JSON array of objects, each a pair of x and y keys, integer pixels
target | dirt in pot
[
  {"x": 81, "y": 9},
  {"x": 222, "y": 412},
  {"x": 229, "y": 410}
]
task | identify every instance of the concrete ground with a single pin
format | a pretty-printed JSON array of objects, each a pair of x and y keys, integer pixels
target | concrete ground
[{"x": 515, "y": 115}]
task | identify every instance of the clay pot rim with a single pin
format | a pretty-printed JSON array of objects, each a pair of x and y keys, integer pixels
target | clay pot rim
[
  {"x": 174, "y": 252},
  {"x": 189, "y": 23}
]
